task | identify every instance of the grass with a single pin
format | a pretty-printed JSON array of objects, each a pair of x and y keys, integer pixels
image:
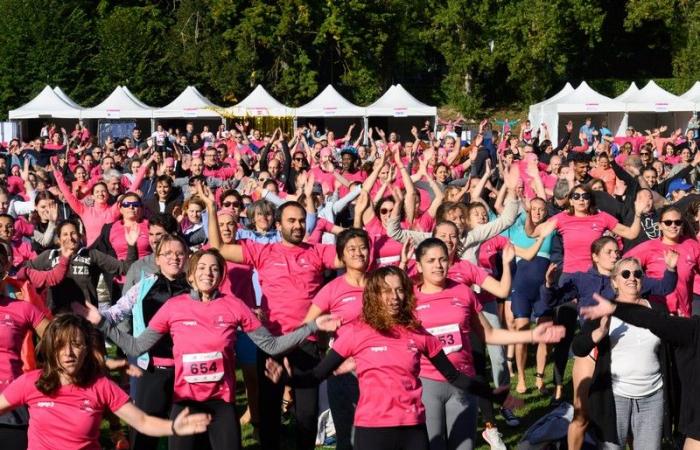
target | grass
[{"x": 536, "y": 406}]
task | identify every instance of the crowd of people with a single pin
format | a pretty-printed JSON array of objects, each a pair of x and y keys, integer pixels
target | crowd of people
[{"x": 405, "y": 275}]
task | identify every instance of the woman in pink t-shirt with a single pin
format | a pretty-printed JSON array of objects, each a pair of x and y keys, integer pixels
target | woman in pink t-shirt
[
  {"x": 68, "y": 394},
  {"x": 342, "y": 297},
  {"x": 450, "y": 311},
  {"x": 583, "y": 224},
  {"x": 387, "y": 345},
  {"x": 203, "y": 325}
]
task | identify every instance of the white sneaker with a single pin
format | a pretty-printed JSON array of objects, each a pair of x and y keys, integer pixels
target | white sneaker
[{"x": 493, "y": 438}]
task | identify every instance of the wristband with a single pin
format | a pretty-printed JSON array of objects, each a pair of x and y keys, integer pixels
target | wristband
[{"x": 172, "y": 428}]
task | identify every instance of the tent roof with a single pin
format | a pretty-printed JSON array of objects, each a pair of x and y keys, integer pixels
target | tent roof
[
  {"x": 693, "y": 93},
  {"x": 629, "y": 92},
  {"x": 135, "y": 98},
  {"x": 584, "y": 99},
  {"x": 535, "y": 112},
  {"x": 398, "y": 102},
  {"x": 190, "y": 103},
  {"x": 652, "y": 98},
  {"x": 65, "y": 97},
  {"x": 46, "y": 104},
  {"x": 330, "y": 103},
  {"x": 119, "y": 104},
  {"x": 260, "y": 103}
]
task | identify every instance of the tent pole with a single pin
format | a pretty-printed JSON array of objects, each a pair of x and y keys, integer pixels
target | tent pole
[{"x": 365, "y": 123}]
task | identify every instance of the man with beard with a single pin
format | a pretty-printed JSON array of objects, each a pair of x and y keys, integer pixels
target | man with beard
[{"x": 290, "y": 273}]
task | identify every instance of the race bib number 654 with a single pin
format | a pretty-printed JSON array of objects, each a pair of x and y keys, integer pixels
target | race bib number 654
[{"x": 203, "y": 367}]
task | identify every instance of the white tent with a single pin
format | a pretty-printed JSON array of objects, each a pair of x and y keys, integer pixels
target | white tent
[
  {"x": 135, "y": 98},
  {"x": 652, "y": 106},
  {"x": 66, "y": 98},
  {"x": 189, "y": 104},
  {"x": 535, "y": 113},
  {"x": 576, "y": 106},
  {"x": 260, "y": 103},
  {"x": 693, "y": 95},
  {"x": 330, "y": 103},
  {"x": 45, "y": 105},
  {"x": 398, "y": 102},
  {"x": 119, "y": 104},
  {"x": 629, "y": 93}
]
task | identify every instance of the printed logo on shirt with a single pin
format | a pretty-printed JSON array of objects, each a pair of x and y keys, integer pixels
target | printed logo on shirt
[
  {"x": 411, "y": 346},
  {"x": 45, "y": 405},
  {"x": 348, "y": 299},
  {"x": 190, "y": 323},
  {"x": 87, "y": 406},
  {"x": 422, "y": 307},
  {"x": 80, "y": 270},
  {"x": 221, "y": 322},
  {"x": 379, "y": 349},
  {"x": 457, "y": 302},
  {"x": 6, "y": 321}
]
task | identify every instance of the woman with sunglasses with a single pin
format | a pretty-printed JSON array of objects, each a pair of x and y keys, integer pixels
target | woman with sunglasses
[
  {"x": 674, "y": 236},
  {"x": 100, "y": 213},
  {"x": 631, "y": 390},
  {"x": 581, "y": 287},
  {"x": 202, "y": 324}
]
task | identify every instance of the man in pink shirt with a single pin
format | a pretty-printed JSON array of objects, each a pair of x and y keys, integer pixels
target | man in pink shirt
[{"x": 290, "y": 273}]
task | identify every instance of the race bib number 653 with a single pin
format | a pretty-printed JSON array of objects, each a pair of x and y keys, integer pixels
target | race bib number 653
[
  {"x": 449, "y": 335},
  {"x": 203, "y": 367}
]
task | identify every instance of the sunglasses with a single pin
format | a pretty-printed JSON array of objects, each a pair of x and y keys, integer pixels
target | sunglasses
[
  {"x": 132, "y": 205},
  {"x": 668, "y": 223},
  {"x": 384, "y": 211},
  {"x": 626, "y": 274},
  {"x": 644, "y": 154},
  {"x": 231, "y": 204},
  {"x": 298, "y": 159},
  {"x": 581, "y": 196}
]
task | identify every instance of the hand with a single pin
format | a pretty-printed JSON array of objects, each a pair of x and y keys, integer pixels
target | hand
[
  {"x": 206, "y": 194},
  {"x": 511, "y": 177},
  {"x": 548, "y": 333},
  {"x": 398, "y": 194},
  {"x": 642, "y": 205},
  {"x": 671, "y": 259},
  {"x": 604, "y": 308},
  {"x": 508, "y": 253},
  {"x": 551, "y": 275},
  {"x": 414, "y": 131},
  {"x": 132, "y": 235},
  {"x": 328, "y": 322},
  {"x": 604, "y": 326},
  {"x": 362, "y": 201},
  {"x": 346, "y": 366},
  {"x": 53, "y": 212},
  {"x": 274, "y": 370},
  {"x": 186, "y": 424},
  {"x": 88, "y": 311},
  {"x": 178, "y": 214},
  {"x": 407, "y": 250},
  {"x": 478, "y": 140},
  {"x": 133, "y": 371}
]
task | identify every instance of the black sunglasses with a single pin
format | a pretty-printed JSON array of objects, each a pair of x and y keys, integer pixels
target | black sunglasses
[
  {"x": 131, "y": 205},
  {"x": 580, "y": 196},
  {"x": 668, "y": 223},
  {"x": 384, "y": 211},
  {"x": 230, "y": 204},
  {"x": 298, "y": 159},
  {"x": 627, "y": 273}
]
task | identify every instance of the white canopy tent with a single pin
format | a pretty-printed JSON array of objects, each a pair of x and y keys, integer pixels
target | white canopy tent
[
  {"x": 66, "y": 98},
  {"x": 47, "y": 104},
  {"x": 652, "y": 106},
  {"x": 119, "y": 104},
  {"x": 334, "y": 110},
  {"x": 189, "y": 104},
  {"x": 259, "y": 103},
  {"x": 582, "y": 102},
  {"x": 535, "y": 112},
  {"x": 395, "y": 109},
  {"x": 693, "y": 95},
  {"x": 135, "y": 98}
]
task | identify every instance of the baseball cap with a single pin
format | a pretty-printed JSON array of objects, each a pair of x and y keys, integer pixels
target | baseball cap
[{"x": 678, "y": 185}]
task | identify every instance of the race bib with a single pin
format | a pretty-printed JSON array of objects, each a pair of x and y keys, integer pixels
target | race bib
[
  {"x": 449, "y": 335},
  {"x": 203, "y": 367}
]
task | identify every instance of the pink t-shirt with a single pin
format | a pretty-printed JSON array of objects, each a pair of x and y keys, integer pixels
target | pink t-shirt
[
  {"x": 239, "y": 282},
  {"x": 651, "y": 255},
  {"x": 204, "y": 336},
  {"x": 341, "y": 299},
  {"x": 388, "y": 366},
  {"x": 117, "y": 237},
  {"x": 385, "y": 250},
  {"x": 467, "y": 273},
  {"x": 577, "y": 234},
  {"x": 325, "y": 179},
  {"x": 68, "y": 419},
  {"x": 22, "y": 252},
  {"x": 16, "y": 319},
  {"x": 290, "y": 276},
  {"x": 448, "y": 315},
  {"x": 607, "y": 176},
  {"x": 487, "y": 257}
]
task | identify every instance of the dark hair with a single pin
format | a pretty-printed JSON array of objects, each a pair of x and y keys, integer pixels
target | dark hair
[
  {"x": 673, "y": 208},
  {"x": 374, "y": 311},
  {"x": 591, "y": 204},
  {"x": 165, "y": 221},
  {"x": 381, "y": 202},
  {"x": 60, "y": 226},
  {"x": 260, "y": 206},
  {"x": 427, "y": 244},
  {"x": 168, "y": 238},
  {"x": 43, "y": 195},
  {"x": 344, "y": 237},
  {"x": 269, "y": 182},
  {"x": 601, "y": 242},
  {"x": 690, "y": 215},
  {"x": 194, "y": 260},
  {"x": 164, "y": 179},
  {"x": 7, "y": 216},
  {"x": 231, "y": 192},
  {"x": 62, "y": 329},
  {"x": 291, "y": 204}
]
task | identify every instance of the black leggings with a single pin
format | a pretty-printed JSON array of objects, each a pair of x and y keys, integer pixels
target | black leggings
[
  {"x": 392, "y": 438},
  {"x": 567, "y": 316},
  {"x": 223, "y": 433},
  {"x": 304, "y": 357},
  {"x": 13, "y": 438},
  {"x": 343, "y": 394},
  {"x": 154, "y": 395},
  {"x": 479, "y": 356}
]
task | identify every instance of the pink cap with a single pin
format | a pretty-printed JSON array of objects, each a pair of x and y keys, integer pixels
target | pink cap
[
  {"x": 225, "y": 212},
  {"x": 325, "y": 151}
]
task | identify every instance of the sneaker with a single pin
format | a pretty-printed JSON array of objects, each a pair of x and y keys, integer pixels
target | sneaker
[
  {"x": 493, "y": 437},
  {"x": 510, "y": 418}
]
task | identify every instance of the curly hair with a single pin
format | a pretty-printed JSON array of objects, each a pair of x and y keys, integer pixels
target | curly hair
[
  {"x": 62, "y": 331},
  {"x": 374, "y": 312}
]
